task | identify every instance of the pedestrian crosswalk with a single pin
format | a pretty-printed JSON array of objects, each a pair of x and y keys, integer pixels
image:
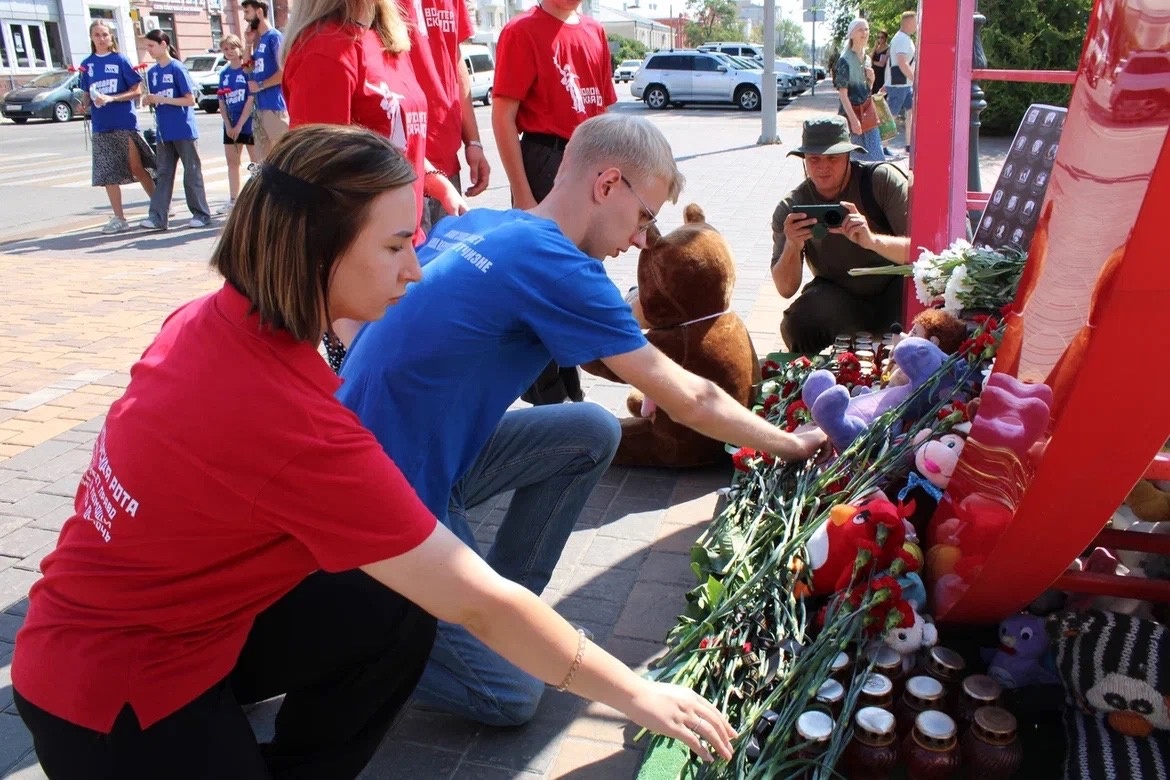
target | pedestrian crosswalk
[{"x": 72, "y": 169}]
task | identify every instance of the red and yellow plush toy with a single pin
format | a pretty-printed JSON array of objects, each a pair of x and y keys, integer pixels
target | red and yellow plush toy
[{"x": 873, "y": 526}]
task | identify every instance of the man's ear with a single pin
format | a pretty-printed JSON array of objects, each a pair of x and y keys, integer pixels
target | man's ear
[{"x": 605, "y": 182}]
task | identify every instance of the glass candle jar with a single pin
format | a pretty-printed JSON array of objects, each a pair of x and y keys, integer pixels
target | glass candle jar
[
  {"x": 990, "y": 748},
  {"x": 888, "y": 661},
  {"x": 872, "y": 754},
  {"x": 842, "y": 668},
  {"x": 946, "y": 666},
  {"x": 876, "y": 691},
  {"x": 814, "y": 732},
  {"x": 831, "y": 696},
  {"x": 922, "y": 693},
  {"x": 931, "y": 751},
  {"x": 976, "y": 691}
]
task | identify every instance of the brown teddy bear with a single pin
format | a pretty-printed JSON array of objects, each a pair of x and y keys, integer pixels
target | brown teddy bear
[{"x": 685, "y": 279}]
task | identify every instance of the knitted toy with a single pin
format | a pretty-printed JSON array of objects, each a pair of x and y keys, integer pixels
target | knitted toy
[
  {"x": 1020, "y": 659},
  {"x": 843, "y": 418},
  {"x": 1115, "y": 670},
  {"x": 685, "y": 281}
]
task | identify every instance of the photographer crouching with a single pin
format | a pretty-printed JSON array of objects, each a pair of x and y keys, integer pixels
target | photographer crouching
[{"x": 844, "y": 215}]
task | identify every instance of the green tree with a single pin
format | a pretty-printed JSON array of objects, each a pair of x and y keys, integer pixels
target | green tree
[
  {"x": 712, "y": 20},
  {"x": 790, "y": 40},
  {"x": 625, "y": 49}
]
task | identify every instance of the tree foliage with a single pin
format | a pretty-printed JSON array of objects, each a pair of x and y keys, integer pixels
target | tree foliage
[
  {"x": 790, "y": 41},
  {"x": 625, "y": 49},
  {"x": 712, "y": 20}
]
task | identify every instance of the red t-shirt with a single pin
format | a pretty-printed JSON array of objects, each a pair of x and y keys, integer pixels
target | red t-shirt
[
  {"x": 225, "y": 475},
  {"x": 434, "y": 51},
  {"x": 341, "y": 74},
  {"x": 559, "y": 72}
]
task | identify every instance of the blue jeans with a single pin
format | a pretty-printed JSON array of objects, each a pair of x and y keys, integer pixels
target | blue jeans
[{"x": 552, "y": 456}]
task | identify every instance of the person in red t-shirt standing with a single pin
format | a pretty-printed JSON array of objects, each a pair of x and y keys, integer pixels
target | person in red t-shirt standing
[
  {"x": 442, "y": 74},
  {"x": 553, "y": 71},
  {"x": 354, "y": 69},
  {"x": 239, "y": 535}
]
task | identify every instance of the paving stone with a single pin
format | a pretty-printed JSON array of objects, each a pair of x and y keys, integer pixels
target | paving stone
[
  {"x": 65, "y": 486},
  {"x": 14, "y": 585},
  {"x": 577, "y": 547},
  {"x": 15, "y": 489},
  {"x": 601, "y": 497},
  {"x": 600, "y": 723},
  {"x": 9, "y": 625},
  {"x": 471, "y": 771},
  {"x": 422, "y": 727},
  {"x": 632, "y": 518},
  {"x": 54, "y": 520},
  {"x": 609, "y": 552},
  {"x": 638, "y": 654},
  {"x": 602, "y": 584},
  {"x": 651, "y": 612},
  {"x": 676, "y": 538},
  {"x": 35, "y": 456},
  {"x": 67, "y": 464},
  {"x": 9, "y": 474},
  {"x": 614, "y": 475},
  {"x": 32, "y": 561},
  {"x": 15, "y": 741},
  {"x": 649, "y": 486},
  {"x": 582, "y": 759},
  {"x": 419, "y": 762},
  {"x": 35, "y": 505},
  {"x": 668, "y": 568},
  {"x": 27, "y": 768},
  {"x": 25, "y": 541},
  {"x": 526, "y": 748},
  {"x": 587, "y": 611}
]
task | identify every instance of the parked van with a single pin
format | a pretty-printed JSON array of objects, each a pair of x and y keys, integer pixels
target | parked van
[
  {"x": 751, "y": 51},
  {"x": 482, "y": 68}
]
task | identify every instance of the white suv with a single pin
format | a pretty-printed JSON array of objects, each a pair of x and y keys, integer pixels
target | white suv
[{"x": 683, "y": 76}]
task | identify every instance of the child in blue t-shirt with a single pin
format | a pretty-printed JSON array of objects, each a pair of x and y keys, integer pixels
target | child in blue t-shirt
[
  {"x": 110, "y": 84},
  {"x": 170, "y": 91},
  {"x": 235, "y": 107}
]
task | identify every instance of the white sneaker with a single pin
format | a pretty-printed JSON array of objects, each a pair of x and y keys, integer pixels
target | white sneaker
[
  {"x": 198, "y": 222},
  {"x": 225, "y": 208},
  {"x": 149, "y": 224},
  {"x": 115, "y": 225}
]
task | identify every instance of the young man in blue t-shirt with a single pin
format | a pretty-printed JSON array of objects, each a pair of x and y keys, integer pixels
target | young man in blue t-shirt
[
  {"x": 170, "y": 91},
  {"x": 503, "y": 293},
  {"x": 267, "y": 74}
]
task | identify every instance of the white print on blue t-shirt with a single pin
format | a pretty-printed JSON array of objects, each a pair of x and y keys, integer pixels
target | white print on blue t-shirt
[
  {"x": 462, "y": 242},
  {"x": 113, "y": 69},
  {"x": 109, "y": 74},
  {"x": 175, "y": 123}
]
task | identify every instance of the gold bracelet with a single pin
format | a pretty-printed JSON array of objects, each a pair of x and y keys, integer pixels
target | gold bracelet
[{"x": 564, "y": 686}]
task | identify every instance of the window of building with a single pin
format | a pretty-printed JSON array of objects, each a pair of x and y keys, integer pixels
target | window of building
[
  {"x": 31, "y": 46},
  {"x": 166, "y": 23},
  {"x": 216, "y": 22}
]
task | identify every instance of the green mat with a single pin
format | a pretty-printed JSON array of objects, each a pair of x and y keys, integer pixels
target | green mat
[{"x": 665, "y": 760}]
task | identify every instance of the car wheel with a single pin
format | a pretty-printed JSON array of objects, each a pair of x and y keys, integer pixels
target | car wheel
[
  {"x": 62, "y": 112},
  {"x": 20, "y": 120},
  {"x": 748, "y": 99},
  {"x": 487, "y": 98},
  {"x": 210, "y": 108},
  {"x": 657, "y": 98}
]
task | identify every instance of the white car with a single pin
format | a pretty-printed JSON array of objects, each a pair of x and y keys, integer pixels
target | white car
[
  {"x": 676, "y": 77},
  {"x": 204, "y": 70},
  {"x": 627, "y": 70},
  {"x": 481, "y": 67}
]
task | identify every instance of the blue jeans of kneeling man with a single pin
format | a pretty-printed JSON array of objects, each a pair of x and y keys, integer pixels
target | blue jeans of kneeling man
[{"x": 552, "y": 456}]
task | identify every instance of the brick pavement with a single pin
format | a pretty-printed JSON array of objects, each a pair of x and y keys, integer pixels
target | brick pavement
[{"x": 80, "y": 308}]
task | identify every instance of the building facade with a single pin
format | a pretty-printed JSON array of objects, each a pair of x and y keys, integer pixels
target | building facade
[{"x": 651, "y": 34}]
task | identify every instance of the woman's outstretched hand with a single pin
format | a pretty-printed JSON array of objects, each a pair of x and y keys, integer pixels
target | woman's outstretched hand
[{"x": 678, "y": 712}]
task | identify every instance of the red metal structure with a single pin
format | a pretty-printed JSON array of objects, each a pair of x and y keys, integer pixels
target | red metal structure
[{"x": 1096, "y": 286}]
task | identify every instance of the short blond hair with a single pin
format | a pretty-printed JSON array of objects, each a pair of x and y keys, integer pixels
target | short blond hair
[
  {"x": 630, "y": 143},
  {"x": 231, "y": 41}
]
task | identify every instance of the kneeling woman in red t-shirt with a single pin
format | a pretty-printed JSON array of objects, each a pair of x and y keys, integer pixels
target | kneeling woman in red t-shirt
[
  {"x": 239, "y": 535},
  {"x": 346, "y": 62}
]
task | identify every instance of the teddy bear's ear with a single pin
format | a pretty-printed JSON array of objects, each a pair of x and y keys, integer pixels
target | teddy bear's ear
[{"x": 652, "y": 236}]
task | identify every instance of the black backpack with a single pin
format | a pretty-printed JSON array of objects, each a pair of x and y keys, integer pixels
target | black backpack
[{"x": 869, "y": 204}]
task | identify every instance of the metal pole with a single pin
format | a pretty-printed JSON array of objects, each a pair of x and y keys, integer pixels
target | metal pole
[
  {"x": 812, "y": 60},
  {"x": 978, "y": 60},
  {"x": 768, "y": 109}
]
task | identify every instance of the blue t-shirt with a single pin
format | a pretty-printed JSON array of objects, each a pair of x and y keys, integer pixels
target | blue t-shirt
[
  {"x": 235, "y": 80},
  {"x": 265, "y": 63},
  {"x": 109, "y": 74},
  {"x": 502, "y": 293},
  {"x": 175, "y": 123}
]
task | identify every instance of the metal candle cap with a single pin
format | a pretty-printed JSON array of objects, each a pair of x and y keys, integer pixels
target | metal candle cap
[
  {"x": 982, "y": 688},
  {"x": 814, "y": 726},
  {"x": 885, "y": 657},
  {"x": 840, "y": 662},
  {"x": 935, "y": 725},
  {"x": 947, "y": 660},
  {"x": 925, "y": 688},
  {"x": 875, "y": 720},
  {"x": 877, "y": 685},
  {"x": 996, "y": 724},
  {"x": 831, "y": 692}
]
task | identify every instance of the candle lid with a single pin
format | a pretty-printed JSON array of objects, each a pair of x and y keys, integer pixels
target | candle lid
[
  {"x": 831, "y": 692},
  {"x": 926, "y": 688},
  {"x": 877, "y": 685},
  {"x": 840, "y": 662},
  {"x": 875, "y": 720},
  {"x": 935, "y": 725},
  {"x": 814, "y": 726},
  {"x": 948, "y": 660},
  {"x": 885, "y": 657},
  {"x": 995, "y": 723},
  {"x": 982, "y": 688}
]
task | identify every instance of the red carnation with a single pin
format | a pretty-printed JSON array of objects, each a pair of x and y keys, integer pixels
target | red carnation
[
  {"x": 801, "y": 362},
  {"x": 796, "y": 414},
  {"x": 770, "y": 369},
  {"x": 747, "y": 648}
]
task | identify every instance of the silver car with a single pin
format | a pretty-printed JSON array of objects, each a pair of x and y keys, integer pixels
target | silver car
[{"x": 686, "y": 76}]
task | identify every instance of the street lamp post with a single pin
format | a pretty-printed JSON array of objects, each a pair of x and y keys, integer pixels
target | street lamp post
[{"x": 978, "y": 103}]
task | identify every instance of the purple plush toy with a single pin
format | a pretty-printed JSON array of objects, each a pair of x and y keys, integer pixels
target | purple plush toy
[
  {"x": 1022, "y": 655},
  {"x": 843, "y": 418}
]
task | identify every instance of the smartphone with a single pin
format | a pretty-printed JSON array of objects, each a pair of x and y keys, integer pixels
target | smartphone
[{"x": 830, "y": 215}]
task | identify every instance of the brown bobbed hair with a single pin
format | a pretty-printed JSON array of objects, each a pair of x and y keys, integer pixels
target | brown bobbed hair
[{"x": 293, "y": 220}]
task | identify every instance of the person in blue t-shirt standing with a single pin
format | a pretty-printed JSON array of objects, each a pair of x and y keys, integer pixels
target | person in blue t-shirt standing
[
  {"x": 235, "y": 107},
  {"x": 170, "y": 91},
  {"x": 502, "y": 293},
  {"x": 267, "y": 74},
  {"x": 109, "y": 86}
]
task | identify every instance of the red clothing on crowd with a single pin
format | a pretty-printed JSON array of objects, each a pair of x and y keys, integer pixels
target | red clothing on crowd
[
  {"x": 434, "y": 50},
  {"x": 225, "y": 475},
  {"x": 559, "y": 72},
  {"x": 341, "y": 74}
]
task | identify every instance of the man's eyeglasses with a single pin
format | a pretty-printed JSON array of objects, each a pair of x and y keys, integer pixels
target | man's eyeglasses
[{"x": 649, "y": 216}]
